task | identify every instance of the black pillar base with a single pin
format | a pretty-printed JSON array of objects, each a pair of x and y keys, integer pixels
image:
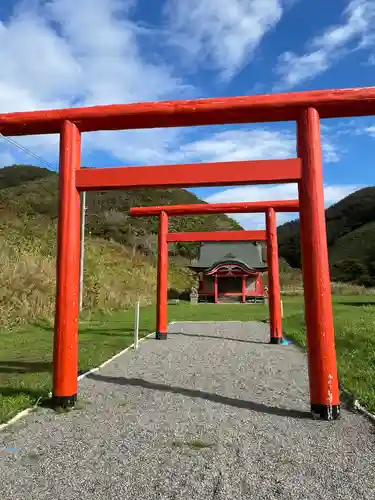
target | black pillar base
[
  {"x": 64, "y": 401},
  {"x": 326, "y": 412},
  {"x": 276, "y": 340},
  {"x": 161, "y": 336}
]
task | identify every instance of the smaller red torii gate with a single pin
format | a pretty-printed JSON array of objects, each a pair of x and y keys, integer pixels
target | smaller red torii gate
[{"x": 268, "y": 207}]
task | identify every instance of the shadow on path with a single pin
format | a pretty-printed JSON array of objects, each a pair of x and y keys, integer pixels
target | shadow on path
[
  {"x": 203, "y": 336},
  {"x": 194, "y": 393}
]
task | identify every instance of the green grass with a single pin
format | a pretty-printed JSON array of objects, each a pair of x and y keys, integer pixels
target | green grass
[
  {"x": 25, "y": 353},
  {"x": 25, "y": 358},
  {"x": 355, "y": 343}
]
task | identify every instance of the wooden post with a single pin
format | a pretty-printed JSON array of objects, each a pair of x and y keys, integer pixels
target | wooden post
[
  {"x": 162, "y": 280},
  {"x": 243, "y": 290},
  {"x": 65, "y": 355},
  {"x": 216, "y": 289},
  {"x": 324, "y": 391},
  {"x": 276, "y": 334},
  {"x": 259, "y": 284}
]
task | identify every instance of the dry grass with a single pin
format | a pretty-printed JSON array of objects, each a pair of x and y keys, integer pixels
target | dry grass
[
  {"x": 114, "y": 277},
  {"x": 339, "y": 289},
  {"x": 291, "y": 283},
  {"x": 350, "y": 289}
]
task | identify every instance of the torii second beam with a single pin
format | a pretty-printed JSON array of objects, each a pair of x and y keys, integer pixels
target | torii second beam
[
  {"x": 204, "y": 236},
  {"x": 218, "y": 208}
]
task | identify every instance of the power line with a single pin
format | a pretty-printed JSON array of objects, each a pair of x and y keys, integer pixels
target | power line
[{"x": 25, "y": 150}]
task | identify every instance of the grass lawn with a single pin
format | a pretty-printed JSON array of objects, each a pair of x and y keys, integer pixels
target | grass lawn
[{"x": 25, "y": 354}]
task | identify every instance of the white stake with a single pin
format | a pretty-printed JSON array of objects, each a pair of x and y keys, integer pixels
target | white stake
[
  {"x": 282, "y": 308},
  {"x": 136, "y": 325}
]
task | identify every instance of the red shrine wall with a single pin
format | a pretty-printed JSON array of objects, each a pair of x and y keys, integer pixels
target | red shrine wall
[{"x": 253, "y": 285}]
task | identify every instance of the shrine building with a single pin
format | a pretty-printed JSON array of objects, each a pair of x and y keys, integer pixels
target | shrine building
[{"x": 230, "y": 271}]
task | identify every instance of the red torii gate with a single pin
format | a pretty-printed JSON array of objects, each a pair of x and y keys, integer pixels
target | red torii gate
[
  {"x": 220, "y": 236},
  {"x": 304, "y": 108},
  {"x": 268, "y": 207}
]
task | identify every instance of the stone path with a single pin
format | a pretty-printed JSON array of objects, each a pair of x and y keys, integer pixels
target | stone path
[{"x": 214, "y": 412}]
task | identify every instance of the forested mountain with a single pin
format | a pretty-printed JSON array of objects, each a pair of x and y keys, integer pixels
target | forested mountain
[{"x": 350, "y": 237}]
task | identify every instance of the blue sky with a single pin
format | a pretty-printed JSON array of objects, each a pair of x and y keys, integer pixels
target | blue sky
[{"x": 60, "y": 53}]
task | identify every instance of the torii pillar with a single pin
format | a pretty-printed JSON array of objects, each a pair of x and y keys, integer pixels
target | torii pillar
[
  {"x": 276, "y": 335},
  {"x": 162, "y": 279},
  {"x": 321, "y": 353}
]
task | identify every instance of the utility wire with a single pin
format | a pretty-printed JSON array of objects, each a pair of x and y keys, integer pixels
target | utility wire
[{"x": 25, "y": 150}]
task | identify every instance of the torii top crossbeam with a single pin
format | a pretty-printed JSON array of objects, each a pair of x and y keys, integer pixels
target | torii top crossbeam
[
  {"x": 334, "y": 103},
  {"x": 218, "y": 208}
]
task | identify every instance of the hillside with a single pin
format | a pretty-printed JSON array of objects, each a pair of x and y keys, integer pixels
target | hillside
[
  {"x": 107, "y": 212},
  {"x": 350, "y": 237},
  {"x": 19, "y": 174},
  {"x": 120, "y": 262}
]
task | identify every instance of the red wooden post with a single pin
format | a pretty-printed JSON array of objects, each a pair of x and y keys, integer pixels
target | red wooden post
[
  {"x": 162, "y": 281},
  {"x": 65, "y": 355},
  {"x": 216, "y": 289},
  {"x": 243, "y": 290},
  {"x": 276, "y": 334},
  {"x": 260, "y": 287},
  {"x": 324, "y": 391}
]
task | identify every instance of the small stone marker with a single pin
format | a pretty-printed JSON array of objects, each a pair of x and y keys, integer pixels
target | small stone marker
[{"x": 194, "y": 296}]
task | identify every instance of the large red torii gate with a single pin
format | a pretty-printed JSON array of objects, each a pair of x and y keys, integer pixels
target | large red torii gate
[
  {"x": 268, "y": 207},
  {"x": 304, "y": 108}
]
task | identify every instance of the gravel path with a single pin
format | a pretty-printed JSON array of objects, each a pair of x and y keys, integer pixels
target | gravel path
[{"x": 214, "y": 412}]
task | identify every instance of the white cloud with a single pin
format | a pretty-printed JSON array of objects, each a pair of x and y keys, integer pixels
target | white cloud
[
  {"x": 362, "y": 129},
  {"x": 55, "y": 54},
  {"x": 332, "y": 194},
  {"x": 249, "y": 144},
  {"x": 223, "y": 33},
  {"x": 330, "y": 151},
  {"x": 370, "y": 130},
  {"x": 240, "y": 144},
  {"x": 356, "y": 32},
  {"x": 38, "y": 69},
  {"x": 85, "y": 56},
  {"x": 136, "y": 147},
  {"x": 6, "y": 159}
]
